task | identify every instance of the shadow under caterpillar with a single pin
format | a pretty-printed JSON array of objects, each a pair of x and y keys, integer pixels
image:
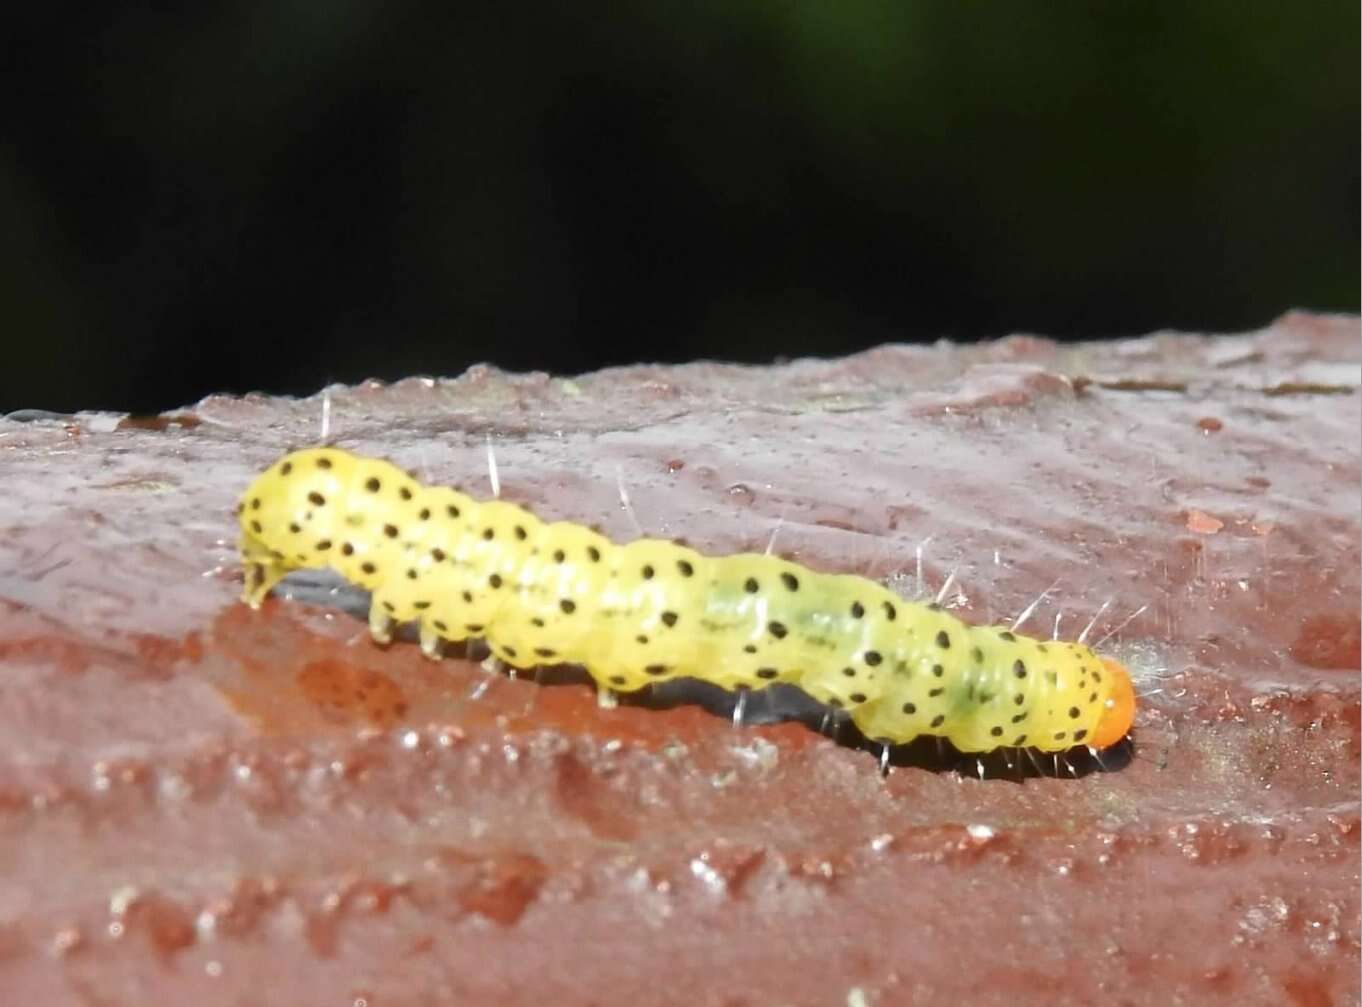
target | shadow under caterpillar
[{"x": 651, "y": 611}]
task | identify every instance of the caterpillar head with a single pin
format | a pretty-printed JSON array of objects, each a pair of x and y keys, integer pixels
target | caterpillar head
[
  {"x": 265, "y": 512},
  {"x": 1118, "y": 712}
]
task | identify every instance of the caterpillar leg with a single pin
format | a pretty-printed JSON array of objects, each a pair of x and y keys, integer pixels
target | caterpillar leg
[
  {"x": 380, "y": 624},
  {"x": 432, "y": 643},
  {"x": 263, "y": 571},
  {"x": 831, "y": 724}
]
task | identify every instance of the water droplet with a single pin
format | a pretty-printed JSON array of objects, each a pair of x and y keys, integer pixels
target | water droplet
[{"x": 742, "y": 493}]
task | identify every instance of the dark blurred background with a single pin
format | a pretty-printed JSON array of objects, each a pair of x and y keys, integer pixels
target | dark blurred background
[{"x": 276, "y": 195}]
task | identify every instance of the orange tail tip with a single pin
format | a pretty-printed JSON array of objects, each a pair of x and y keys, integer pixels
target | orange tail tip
[{"x": 1119, "y": 710}]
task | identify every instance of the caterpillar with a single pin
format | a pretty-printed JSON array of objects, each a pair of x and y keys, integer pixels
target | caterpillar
[{"x": 652, "y": 610}]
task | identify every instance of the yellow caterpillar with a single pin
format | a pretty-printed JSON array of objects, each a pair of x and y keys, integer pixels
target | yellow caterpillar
[{"x": 559, "y": 593}]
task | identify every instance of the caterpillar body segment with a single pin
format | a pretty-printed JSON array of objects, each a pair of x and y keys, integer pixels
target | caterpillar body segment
[{"x": 649, "y": 611}]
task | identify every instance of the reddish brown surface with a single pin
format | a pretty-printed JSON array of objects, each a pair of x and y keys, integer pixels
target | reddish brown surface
[{"x": 203, "y": 802}]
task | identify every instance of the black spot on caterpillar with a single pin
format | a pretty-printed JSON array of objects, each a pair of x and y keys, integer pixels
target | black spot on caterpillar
[{"x": 652, "y": 610}]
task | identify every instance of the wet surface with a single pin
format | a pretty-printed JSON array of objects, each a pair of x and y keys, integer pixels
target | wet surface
[{"x": 195, "y": 797}]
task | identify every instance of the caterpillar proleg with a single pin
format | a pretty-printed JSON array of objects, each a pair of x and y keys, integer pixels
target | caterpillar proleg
[{"x": 649, "y": 611}]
